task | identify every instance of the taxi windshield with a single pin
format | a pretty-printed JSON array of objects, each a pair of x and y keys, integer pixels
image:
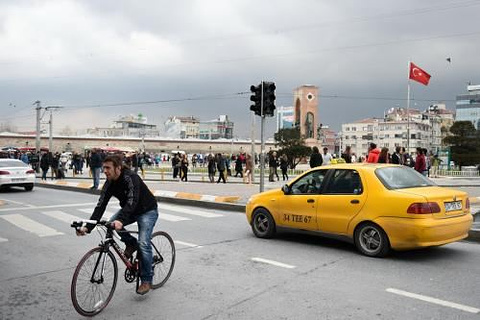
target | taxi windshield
[{"x": 401, "y": 178}]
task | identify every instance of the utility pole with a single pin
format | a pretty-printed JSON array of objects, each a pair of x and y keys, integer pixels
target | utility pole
[
  {"x": 37, "y": 134},
  {"x": 50, "y": 137}
]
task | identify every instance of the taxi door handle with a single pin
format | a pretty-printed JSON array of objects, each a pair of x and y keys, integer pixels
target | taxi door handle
[
  {"x": 354, "y": 201},
  {"x": 310, "y": 200}
]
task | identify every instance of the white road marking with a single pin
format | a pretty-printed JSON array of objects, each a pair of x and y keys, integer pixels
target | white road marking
[
  {"x": 3, "y": 239},
  {"x": 190, "y": 211},
  {"x": 51, "y": 207},
  {"x": 191, "y": 245},
  {"x": 171, "y": 217},
  {"x": 274, "y": 263},
  {"x": 434, "y": 300},
  {"x": 62, "y": 216},
  {"x": 30, "y": 225},
  {"x": 106, "y": 215},
  {"x": 161, "y": 216},
  {"x": 20, "y": 203}
]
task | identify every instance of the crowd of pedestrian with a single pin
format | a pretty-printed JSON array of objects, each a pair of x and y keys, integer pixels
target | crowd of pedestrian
[
  {"x": 424, "y": 162},
  {"x": 219, "y": 163},
  {"x": 219, "y": 166}
]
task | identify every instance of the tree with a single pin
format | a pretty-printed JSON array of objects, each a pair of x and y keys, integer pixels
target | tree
[
  {"x": 464, "y": 143},
  {"x": 292, "y": 144}
]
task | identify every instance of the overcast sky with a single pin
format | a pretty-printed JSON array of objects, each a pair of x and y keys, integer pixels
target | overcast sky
[{"x": 103, "y": 58}]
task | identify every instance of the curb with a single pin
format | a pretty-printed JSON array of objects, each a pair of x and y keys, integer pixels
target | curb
[{"x": 473, "y": 235}]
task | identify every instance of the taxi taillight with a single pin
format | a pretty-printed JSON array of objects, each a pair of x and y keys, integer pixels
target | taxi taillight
[
  {"x": 2, "y": 172},
  {"x": 423, "y": 208},
  {"x": 30, "y": 171},
  {"x": 467, "y": 204}
]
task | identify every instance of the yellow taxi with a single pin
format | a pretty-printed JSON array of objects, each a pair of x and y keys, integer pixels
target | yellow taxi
[{"x": 377, "y": 206}]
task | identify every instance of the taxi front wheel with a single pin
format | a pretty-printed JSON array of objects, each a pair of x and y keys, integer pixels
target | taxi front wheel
[
  {"x": 263, "y": 225},
  {"x": 371, "y": 240}
]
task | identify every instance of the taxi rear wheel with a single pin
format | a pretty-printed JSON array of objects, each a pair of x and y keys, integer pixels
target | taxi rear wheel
[
  {"x": 371, "y": 240},
  {"x": 263, "y": 225}
]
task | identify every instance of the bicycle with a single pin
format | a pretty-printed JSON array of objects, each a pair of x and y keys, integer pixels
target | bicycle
[{"x": 95, "y": 276}]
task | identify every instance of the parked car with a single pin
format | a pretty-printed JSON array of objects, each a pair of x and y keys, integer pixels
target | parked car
[
  {"x": 376, "y": 206},
  {"x": 15, "y": 173}
]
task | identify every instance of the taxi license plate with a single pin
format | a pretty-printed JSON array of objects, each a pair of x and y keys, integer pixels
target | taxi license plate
[
  {"x": 453, "y": 206},
  {"x": 18, "y": 179}
]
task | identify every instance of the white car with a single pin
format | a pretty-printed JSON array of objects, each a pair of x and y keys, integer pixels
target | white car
[{"x": 15, "y": 173}]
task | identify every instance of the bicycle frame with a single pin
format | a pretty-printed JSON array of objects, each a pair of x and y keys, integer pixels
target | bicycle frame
[{"x": 108, "y": 242}]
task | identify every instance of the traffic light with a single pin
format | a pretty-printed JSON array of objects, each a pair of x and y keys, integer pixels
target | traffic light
[
  {"x": 269, "y": 98},
  {"x": 256, "y": 97}
]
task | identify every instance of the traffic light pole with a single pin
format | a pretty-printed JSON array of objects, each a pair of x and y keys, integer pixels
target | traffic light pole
[
  {"x": 264, "y": 105},
  {"x": 262, "y": 149},
  {"x": 253, "y": 146}
]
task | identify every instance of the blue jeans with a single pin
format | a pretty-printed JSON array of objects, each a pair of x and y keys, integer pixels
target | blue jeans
[
  {"x": 96, "y": 177},
  {"x": 146, "y": 222}
]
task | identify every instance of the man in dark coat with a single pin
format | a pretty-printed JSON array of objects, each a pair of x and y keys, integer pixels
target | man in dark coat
[{"x": 316, "y": 158}]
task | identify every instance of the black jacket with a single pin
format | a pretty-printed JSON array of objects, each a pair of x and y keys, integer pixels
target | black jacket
[
  {"x": 316, "y": 160},
  {"x": 95, "y": 160},
  {"x": 134, "y": 196},
  {"x": 396, "y": 158}
]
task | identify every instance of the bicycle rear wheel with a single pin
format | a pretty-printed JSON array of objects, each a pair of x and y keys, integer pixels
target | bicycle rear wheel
[
  {"x": 94, "y": 282},
  {"x": 163, "y": 258}
]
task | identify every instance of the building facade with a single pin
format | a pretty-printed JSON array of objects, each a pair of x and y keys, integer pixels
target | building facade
[
  {"x": 217, "y": 129},
  {"x": 285, "y": 118},
  {"x": 468, "y": 106},
  {"x": 182, "y": 127},
  {"x": 305, "y": 103},
  {"x": 427, "y": 130},
  {"x": 127, "y": 126}
]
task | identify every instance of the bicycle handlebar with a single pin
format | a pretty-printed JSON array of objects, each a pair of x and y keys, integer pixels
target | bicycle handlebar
[{"x": 83, "y": 223}]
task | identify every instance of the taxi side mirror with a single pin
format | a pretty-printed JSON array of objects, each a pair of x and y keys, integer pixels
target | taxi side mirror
[{"x": 286, "y": 189}]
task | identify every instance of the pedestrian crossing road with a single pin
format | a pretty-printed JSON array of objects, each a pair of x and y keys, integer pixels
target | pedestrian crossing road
[{"x": 38, "y": 220}]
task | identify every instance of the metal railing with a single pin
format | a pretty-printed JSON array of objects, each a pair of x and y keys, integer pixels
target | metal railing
[{"x": 458, "y": 173}]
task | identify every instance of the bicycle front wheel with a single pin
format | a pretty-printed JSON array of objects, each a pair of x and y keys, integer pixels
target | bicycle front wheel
[
  {"x": 94, "y": 282},
  {"x": 163, "y": 258}
]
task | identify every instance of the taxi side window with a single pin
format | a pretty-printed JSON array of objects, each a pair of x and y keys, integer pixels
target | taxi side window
[
  {"x": 310, "y": 183},
  {"x": 345, "y": 181}
]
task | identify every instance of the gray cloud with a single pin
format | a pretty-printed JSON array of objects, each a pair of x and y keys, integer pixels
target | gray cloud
[{"x": 84, "y": 53}]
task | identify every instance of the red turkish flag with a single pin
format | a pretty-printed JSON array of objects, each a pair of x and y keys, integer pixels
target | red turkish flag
[{"x": 418, "y": 74}]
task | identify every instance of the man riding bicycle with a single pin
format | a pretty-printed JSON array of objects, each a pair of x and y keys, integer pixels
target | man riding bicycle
[{"x": 138, "y": 205}]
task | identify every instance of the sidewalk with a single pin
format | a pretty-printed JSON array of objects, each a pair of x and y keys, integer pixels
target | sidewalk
[
  {"x": 232, "y": 195},
  {"x": 235, "y": 190}
]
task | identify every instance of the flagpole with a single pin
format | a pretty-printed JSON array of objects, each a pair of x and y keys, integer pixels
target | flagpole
[{"x": 408, "y": 110}]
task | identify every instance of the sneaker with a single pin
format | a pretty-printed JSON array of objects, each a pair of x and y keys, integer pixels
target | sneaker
[
  {"x": 144, "y": 288},
  {"x": 129, "y": 250}
]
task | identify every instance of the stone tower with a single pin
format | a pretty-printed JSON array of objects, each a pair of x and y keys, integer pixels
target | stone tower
[{"x": 305, "y": 102}]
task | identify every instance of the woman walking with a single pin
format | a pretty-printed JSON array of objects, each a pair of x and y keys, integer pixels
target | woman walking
[
  {"x": 221, "y": 165},
  {"x": 184, "y": 168},
  {"x": 44, "y": 165},
  {"x": 212, "y": 168},
  {"x": 249, "y": 169},
  {"x": 284, "y": 166}
]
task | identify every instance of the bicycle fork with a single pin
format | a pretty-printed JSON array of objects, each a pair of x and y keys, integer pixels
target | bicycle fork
[{"x": 100, "y": 263}]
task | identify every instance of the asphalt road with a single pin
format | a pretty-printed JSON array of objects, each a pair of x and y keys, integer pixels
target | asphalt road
[{"x": 223, "y": 272}]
